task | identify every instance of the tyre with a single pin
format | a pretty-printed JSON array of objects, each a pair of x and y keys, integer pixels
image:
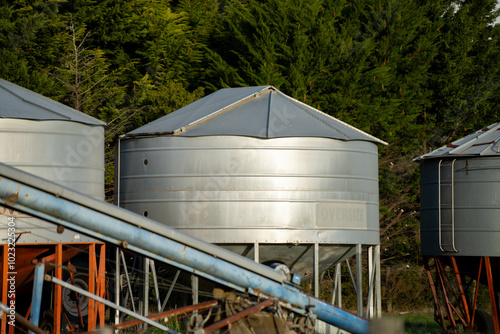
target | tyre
[
  {"x": 483, "y": 322},
  {"x": 71, "y": 301}
]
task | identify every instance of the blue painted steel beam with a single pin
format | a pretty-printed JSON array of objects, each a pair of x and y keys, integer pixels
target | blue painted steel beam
[
  {"x": 16, "y": 195},
  {"x": 36, "y": 297},
  {"x": 108, "y": 239}
]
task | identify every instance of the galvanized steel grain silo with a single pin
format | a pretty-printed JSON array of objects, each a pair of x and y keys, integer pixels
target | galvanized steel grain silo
[
  {"x": 52, "y": 141},
  {"x": 460, "y": 191},
  {"x": 259, "y": 173},
  {"x": 459, "y": 215}
]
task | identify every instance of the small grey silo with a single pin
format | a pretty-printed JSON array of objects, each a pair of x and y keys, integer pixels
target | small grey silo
[
  {"x": 52, "y": 141},
  {"x": 460, "y": 197},
  {"x": 246, "y": 166}
]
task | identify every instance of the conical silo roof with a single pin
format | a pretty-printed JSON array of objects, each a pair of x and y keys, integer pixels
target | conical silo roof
[
  {"x": 484, "y": 142},
  {"x": 21, "y": 103},
  {"x": 261, "y": 112}
]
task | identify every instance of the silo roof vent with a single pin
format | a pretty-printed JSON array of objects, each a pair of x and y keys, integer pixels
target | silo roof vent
[
  {"x": 484, "y": 142},
  {"x": 261, "y": 112},
  {"x": 21, "y": 103}
]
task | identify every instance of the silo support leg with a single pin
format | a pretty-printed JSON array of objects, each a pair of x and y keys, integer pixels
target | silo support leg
[
  {"x": 352, "y": 276},
  {"x": 374, "y": 303},
  {"x": 378, "y": 290},
  {"x": 437, "y": 305},
  {"x": 359, "y": 279},
  {"x": 371, "y": 278},
  {"x": 146, "y": 287},
  {"x": 170, "y": 290},
  {"x": 256, "y": 254},
  {"x": 337, "y": 287},
  {"x": 476, "y": 291},
  {"x": 448, "y": 306},
  {"x": 461, "y": 289},
  {"x": 491, "y": 288},
  {"x": 155, "y": 281},
  {"x": 129, "y": 285},
  {"x": 316, "y": 270},
  {"x": 459, "y": 310},
  {"x": 194, "y": 287},
  {"x": 117, "y": 284},
  {"x": 129, "y": 293}
]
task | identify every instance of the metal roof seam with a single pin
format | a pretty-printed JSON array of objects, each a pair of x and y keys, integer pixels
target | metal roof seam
[
  {"x": 306, "y": 106},
  {"x": 268, "y": 115},
  {"x": 328, "y": 125},
  {"x": 483, "y": 142},
  {"x": 219, "y": 111},
  {"x": 250, "y": 112}
]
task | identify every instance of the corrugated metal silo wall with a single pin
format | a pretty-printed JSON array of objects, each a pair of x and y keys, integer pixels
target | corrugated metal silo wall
[
  {"x": 68, "y": 153},
  {"x": 470, "y": 206}
]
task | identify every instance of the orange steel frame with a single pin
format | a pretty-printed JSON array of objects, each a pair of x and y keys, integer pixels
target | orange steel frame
[
  {"x": 97, "y": 281},
  {"x": 454, "y": 300}
]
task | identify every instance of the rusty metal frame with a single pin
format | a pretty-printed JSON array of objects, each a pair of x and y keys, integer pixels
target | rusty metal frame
[
  {"x": 465, "y": 312},
  {"x": 449, "y": 311},
  {"x": 56, "y": 260},
  {"x": 437, "y": 305},
  {"x": 457, "y": 301},
  {"x": 92, "y": 278},
  {"x": 101, "y": 283},
  {"x": 77, "y": 300},
  {"x": 464, "y": 303},
  {"x": 476, "y": 292},
  {"x": 186, "y": 309},
  {"x": 245, "y": 313},
  {"x": 110, "y": 304},
  {"x": 491, "y": 288},
  {"x": 58, "y": 290}
]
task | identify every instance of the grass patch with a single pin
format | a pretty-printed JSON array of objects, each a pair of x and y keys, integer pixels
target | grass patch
[{"x": 421, "y": 323}]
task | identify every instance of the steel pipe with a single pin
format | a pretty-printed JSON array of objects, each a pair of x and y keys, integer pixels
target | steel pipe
[
  {"x": 52, "y": 279},
  {"x": 21, "y": 320}
]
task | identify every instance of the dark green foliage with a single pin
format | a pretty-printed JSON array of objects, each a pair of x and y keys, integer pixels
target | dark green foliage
[
  {"x": 417, "y": 74},
  {"x": 30, "y": 41},
  {"x": 465, "y": 72}
]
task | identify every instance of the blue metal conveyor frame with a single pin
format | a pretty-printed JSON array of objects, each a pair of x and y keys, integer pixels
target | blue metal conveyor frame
[{"x": 27, "y": 193}]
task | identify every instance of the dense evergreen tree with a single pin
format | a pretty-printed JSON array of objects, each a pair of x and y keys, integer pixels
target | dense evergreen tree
[
  {"x": 30, "y": 42},
  {"x": 414, "y": 73},
  {"x": 465, "y": 73}
]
